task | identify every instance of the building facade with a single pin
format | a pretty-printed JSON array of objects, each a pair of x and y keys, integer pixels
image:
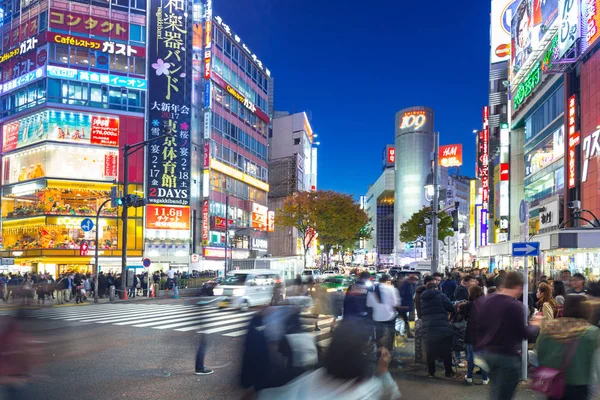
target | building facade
[
  {"x": 236, "y": 120},
  {"x": 73, "y": 92},
  {"x": 292, "y": 168},
  {"x": 414, "y": 136}
]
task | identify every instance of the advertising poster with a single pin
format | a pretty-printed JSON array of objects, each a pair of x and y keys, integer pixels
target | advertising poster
[
  {"x": 591, "y": 21},
  {"x": 62, "y": 126},
  {"x": 259, "y": 217},
  {"x": 88, "y": 24},
  {"x": 501, "y": 17},
  {"x": 545, "y": 153},
  {"x": 450, "y": 155},
  {"x": 533, "y": 20},
  {"x": 167, "y": 217},
  {"x": 170, "y": 93}
]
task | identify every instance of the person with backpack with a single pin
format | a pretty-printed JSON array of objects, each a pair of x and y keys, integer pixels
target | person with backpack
[
  {"x": 566, "y": 350},
  {"x": 384, "y": 301},
  {"x": 355, "y": 300},
  {"x": 471, "y": 333}
]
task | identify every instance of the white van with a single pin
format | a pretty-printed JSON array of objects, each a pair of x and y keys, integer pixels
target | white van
[
  {"x": 314, "y": 274},
  {"x": 249, "y": 288}
]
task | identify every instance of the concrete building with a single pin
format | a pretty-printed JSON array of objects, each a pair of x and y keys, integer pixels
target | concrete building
[{"x": 292, "y": 168}]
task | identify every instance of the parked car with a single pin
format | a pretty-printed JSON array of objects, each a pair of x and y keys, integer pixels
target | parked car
[{"x": 249, "y": 288}]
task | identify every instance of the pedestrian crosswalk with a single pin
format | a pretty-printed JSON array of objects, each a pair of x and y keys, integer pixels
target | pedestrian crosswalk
[{"x": 209, "y": 320}]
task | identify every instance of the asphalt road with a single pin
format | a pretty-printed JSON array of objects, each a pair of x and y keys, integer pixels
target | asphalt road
[{"x": 95, "y": 360}]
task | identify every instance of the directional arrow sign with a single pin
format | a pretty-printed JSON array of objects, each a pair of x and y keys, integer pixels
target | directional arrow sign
[{"x": 526, "y": 249}]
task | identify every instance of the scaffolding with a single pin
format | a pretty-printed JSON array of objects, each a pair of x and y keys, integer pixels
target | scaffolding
[{"x": 284, "y": 175}]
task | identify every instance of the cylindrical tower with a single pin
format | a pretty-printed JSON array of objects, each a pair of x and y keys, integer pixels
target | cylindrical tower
[{"x": 414, "y": 144}]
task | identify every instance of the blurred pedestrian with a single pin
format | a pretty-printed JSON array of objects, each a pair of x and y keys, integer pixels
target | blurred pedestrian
[
  {"x": 502, "y": 328},
  {"x": 355, "y": 300},
  {"x": 559, "y": 292},
  {"x": 384, "y": 301},
  {"x": 200, "y": 354},
  {"x": 569, "y": 344},
  {"x": 407, "y": 290},
  {"x": 352, "y": 371},
  {"x": 437, "y": 331},
  {"x": 577, "y": 284},
  {"x": 547, "y": 306},
  {"x": 471, "y": 333}
]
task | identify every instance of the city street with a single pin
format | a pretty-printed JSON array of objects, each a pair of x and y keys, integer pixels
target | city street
[{"x": 147, "y": 351}]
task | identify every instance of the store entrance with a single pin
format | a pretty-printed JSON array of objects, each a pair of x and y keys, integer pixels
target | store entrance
[{"x": 75, "y": 268}]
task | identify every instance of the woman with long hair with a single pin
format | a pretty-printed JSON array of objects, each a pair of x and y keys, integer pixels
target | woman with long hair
[
  {"x": 559, "y": 292},
  {"x": 546, "y": 303}
]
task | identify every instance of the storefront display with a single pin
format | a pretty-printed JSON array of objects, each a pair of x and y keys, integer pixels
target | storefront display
[
  {"x": 57, "y": 233},
  {"x": 56, "y": 201},
  {"x": 545, "y": 153},
  {"x": 58, "y": 161},
  {"x": 62, "y": 126}
]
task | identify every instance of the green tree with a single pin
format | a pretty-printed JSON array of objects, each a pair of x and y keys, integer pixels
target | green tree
[
  {"x": 341, "y": 221},
  {"x": 415, "y": 228},
  {"x": 300, "y": 211}
]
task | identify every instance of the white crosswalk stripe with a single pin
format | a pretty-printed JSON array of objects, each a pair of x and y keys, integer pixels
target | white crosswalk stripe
[{"x": 177, "y": 317}]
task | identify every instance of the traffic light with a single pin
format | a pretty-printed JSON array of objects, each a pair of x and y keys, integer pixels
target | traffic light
[
  {"x": 113, "y": 197},
  {"x": 131, "y": 200},
  {"x": 455, "y": 216}
]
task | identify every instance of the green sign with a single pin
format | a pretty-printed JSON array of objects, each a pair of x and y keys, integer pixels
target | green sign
[
  {"x": 552, "y": 54},
  {"x": 526, "y": 87}
]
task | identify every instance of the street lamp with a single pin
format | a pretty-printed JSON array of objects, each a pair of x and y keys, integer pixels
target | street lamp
[{"x": 432, "y": 192}]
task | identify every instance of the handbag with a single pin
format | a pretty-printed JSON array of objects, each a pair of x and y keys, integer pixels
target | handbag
[{"x": 551, "y": 381}]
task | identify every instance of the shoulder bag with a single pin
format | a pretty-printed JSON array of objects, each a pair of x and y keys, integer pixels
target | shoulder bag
[{"x": 551, "y": 381}]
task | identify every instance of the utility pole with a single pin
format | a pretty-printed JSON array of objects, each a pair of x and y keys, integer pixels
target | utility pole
[{"x": 434, "y": 225}]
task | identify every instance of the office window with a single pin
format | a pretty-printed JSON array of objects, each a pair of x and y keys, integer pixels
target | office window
[
  {"x": 137, "y": 33},
  {"x": 296, "y": 141}
]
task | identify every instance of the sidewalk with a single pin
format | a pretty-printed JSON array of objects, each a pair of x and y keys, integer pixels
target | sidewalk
[{"x": 90, "y": 301}]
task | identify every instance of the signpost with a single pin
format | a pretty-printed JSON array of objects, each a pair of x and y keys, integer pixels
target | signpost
[{"x": 525, "y": 249}]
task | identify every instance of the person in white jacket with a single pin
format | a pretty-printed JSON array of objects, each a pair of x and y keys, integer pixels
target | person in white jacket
[{"x": 351, "y": 371}]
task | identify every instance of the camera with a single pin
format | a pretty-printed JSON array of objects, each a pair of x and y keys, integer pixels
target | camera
[{"x": 574, "y": 204}]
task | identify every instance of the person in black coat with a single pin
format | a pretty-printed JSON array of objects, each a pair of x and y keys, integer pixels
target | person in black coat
[
  {"x": 462, "y": 291},
  {"x": 101, "y": 284},
  {"x": 437, "y": 330}
]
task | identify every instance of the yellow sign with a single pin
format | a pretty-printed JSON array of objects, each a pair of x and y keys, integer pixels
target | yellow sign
[
  {"x": 56, "y": 184},
  {"x": 239, "y": 175}
]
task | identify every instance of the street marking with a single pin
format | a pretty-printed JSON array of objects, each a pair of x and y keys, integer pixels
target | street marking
[
  {"x": 205, "y": 320},
  {"x": 225, "y": 328},
  {"x": 200, "y": 315},
  {"x": 236, "y": 334},
  {"x": 219, "y": 323}
]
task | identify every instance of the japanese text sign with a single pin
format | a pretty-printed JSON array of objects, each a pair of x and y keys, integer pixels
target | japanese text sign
[
  {"x": 73, "y": 74},
  {"x": 574, "y": 140},
  {"x": 99, "y": 45},
  {"x": 170, "y": 80},
  {"x": 88, "y": 24},
  {"x": 205, "y": 217},
  {"x": 167, "y": 217}
]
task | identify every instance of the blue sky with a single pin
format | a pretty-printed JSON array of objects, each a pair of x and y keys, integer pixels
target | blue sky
[{"x": 353, "y": 64}]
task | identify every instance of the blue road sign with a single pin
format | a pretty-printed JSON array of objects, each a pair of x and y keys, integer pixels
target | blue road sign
[
  {"x": 526, "y": 249},
  {"x": 146, "y": 262},
  {"x": 522, "y": 212},
  {"x": 87, "y": 225}
]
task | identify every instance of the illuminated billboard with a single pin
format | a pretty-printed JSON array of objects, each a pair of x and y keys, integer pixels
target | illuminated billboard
[
  {"x": 546, "y": 152},
  {"x": 533, "y": 23},
  {"x": 501, "y": 17},
  {"x": 260, "y": 217},
  {"x": 167, "y": 217},
  {"x": 591, "y": 17},
  {"x": 450, "y": 155},
  {"x": 61, "y": 126}
]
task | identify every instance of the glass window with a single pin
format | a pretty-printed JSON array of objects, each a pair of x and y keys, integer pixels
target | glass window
[
  {"x": 81, "y": 57},
  {"x": 61, "y": 53},
  {"x": 135, "y": 33},
  {"x": 121, "y": 64},
  {"x": 140, "y": 66},
  {"x": 43, "y": 21}
]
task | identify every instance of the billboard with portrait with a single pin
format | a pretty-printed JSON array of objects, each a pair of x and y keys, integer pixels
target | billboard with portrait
[
  {"x": 532, "y": 21},
  {"x": 546, "y": 152},
  {"x": 501, "y": 17},
  {"x": 62, "y": 126}
]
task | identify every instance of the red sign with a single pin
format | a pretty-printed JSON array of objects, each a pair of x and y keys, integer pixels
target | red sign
[
  {"x": 110, "y": 164},
  {"x": 504, "y": 171},
  {"x": 207, "y": 66},
  {"x": 220, "y": 223},
  {"x": 483, "y": 159},
  {"x": 88, "y": 24},
  {"x": 450, "y": 155},
  {"x": 574, "y": 139},
  {"x": 173, "y": 218},
  {"x": 391, "y": 155},
  {"x": 83, "y": 249},
  {"x": 105, "y": 131},
  {"x": 205, "y": 216},
  {"x": 259, "y": 216},
  {"x": 206, "y": 155},
  {"x": 99, "y": 45},
  {"x": 10, "y": 136}
]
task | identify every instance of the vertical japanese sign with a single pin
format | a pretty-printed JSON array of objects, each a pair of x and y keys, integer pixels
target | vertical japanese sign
[
  {"x": 170, "y": 93},
  {"x": 205, "y": 218},
  {"x": 483, "y": 173},
  {"x": 574, "y": 139}
]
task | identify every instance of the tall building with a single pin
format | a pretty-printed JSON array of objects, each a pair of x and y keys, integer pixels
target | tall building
[
  {"x": 237, "y": 108},
  {"x": 414, "y": 146},
  {"x": 379, "y": 206},
  {"x": 292, "y": 168},
  {"x": 73, "y": 92}
]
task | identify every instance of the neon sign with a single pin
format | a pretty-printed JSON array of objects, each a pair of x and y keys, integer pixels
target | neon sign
[
  {"x": 413, "y": 119},
  {"x": 574, "y": 138},
  {"x": 247, "y": 103},
  {"x": 591, "y": 149},
  {"x": 96, "y": 77},
  {"x": 22, "y": 80},
  {"x": 525, "y": 89}
]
